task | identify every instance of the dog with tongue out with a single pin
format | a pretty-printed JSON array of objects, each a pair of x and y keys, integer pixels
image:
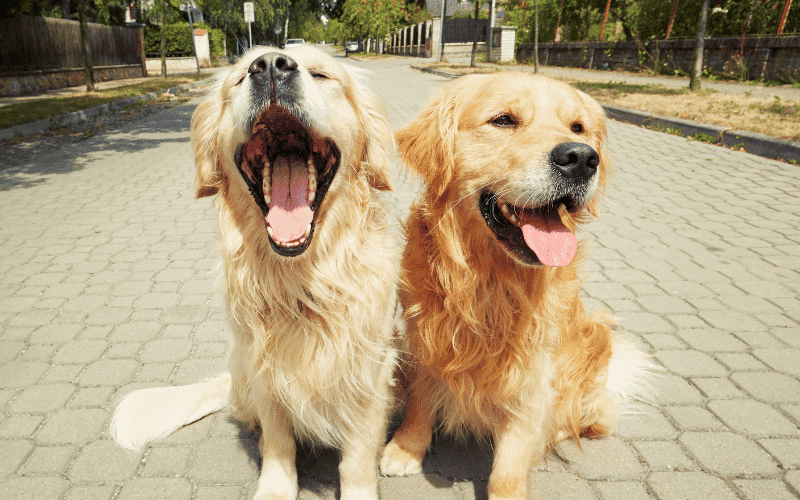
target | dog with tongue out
[{"x": 500, "y": 343}]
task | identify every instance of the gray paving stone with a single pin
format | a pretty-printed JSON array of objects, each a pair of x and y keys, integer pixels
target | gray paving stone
[
  {"x": 686, "y": 485},
  {"x": 785, "y": 451},
  {"x": 431, "y": 486},
  {"x": 210, "y": 492},
  {"x": 73, "y": 426},
  {"x": 727, "y": 453},
  {"x": 621, "y": 490},
  {"x": 718, "y": 388},
  {"x": 19, "y": 374},
  {"x": 33, "y": 488},
  {"x": 221, "y": 461},
  {"x": 664, "y": 455},
  {"x": 15, "y": 452},
  {"x": 693, "y": 418},
  {"x": 107, "y": 372},
  {"x": 142, "y": 488},
  {"x": 646, "y": 423},
  {"x": 42, "y": 398},
  {"x": 601, "y": 458},
  {"x": 764, "y": 489},
  {"x": 49, "y": 460},
  {"x": 690, "y": 363},
  {"x": 752, "y": 418},
  {"x": 87, "y": 492},
  {"x": 711, "y": 340},
  {"x": 783, "y": 360}
]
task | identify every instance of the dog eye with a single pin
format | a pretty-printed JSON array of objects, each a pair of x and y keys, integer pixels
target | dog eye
[
  {"x": 504, "y": 121},
  {"x": 319, "y": 75},
  {"x": 577, "y": 127}
]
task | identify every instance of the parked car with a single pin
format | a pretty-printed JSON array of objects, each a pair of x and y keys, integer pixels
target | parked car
[
  {"x": 352, "y": 46},
  {"x": 294, "y": 41}
]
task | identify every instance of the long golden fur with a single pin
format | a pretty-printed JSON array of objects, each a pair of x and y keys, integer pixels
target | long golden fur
[
  {"x": 313, "y": 348},
  {"x": 501, "y": 345}
]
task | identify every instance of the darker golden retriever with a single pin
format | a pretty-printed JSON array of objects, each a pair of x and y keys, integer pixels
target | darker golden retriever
[{"x": 499, "y": 341}]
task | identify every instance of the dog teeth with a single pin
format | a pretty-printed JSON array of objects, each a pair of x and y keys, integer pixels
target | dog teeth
[
  {"x": 312, "y": 180},
  {"x": 509, "y": 214},
  {"x": 266, "y": 184},
  {"x": 290, "y": 244}
]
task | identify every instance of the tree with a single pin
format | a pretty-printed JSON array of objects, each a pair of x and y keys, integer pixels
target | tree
[
  {"x": 374, "y": 18},
  {"x": 88, "y": 71},
  {"x": 697, "y": 69}
]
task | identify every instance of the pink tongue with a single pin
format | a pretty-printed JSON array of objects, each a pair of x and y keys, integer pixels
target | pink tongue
[
  {"x": 549, "y": 238},
  {"x": 289, "y": 212}
]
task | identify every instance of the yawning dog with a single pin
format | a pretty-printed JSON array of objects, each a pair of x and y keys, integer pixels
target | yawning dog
[
  {"x": 499, "y": 341},
  {"x": 295, "y": 148}
]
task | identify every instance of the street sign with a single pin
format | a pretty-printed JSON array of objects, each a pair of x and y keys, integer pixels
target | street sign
[
  {"x": 249, "y": 12},
  {"x": 278, "y": 29}
]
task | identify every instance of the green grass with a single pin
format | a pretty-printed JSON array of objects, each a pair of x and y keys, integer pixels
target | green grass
[
  {"x": 31, "y": 111},
  {"x": 621, "y": 88}
]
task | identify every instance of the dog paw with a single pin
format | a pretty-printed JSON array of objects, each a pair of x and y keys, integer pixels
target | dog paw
[{"x": 398, "y": 462}]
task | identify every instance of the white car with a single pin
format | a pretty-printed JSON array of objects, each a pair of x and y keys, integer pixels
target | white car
[{"x": 294, "y": 41}]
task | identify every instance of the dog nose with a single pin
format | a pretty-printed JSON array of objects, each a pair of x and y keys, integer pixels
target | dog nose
[
  {"x": 575, "y": 160},
  {"x": 272, "y": 64}
]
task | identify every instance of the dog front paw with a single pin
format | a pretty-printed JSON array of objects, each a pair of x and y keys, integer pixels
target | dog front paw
[{"x": 398, "y": 462}]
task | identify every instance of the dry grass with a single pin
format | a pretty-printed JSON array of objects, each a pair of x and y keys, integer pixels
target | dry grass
[{"x": 772, "y": 117}]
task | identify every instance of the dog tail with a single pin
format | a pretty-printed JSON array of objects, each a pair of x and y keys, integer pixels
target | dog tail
[
  {"x": 631, "y": 374},
  {"x": 150, "y": 414}
]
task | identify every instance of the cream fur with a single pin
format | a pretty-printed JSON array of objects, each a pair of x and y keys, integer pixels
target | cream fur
[{"x": 313, "y": 350}]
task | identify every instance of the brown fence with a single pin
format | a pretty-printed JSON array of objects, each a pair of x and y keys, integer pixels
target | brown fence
[{"x": 43, "y": 43}]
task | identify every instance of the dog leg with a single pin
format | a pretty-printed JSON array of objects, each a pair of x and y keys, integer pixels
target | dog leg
[
  {"x": 517, "y": 446},
  {"x": 278, "y": 480},
  {"x": 358, "y": 471},
  {"x": 404, "y": 453}
]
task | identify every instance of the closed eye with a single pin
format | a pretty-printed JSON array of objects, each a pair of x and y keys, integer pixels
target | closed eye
[
  {"x": 319, "y": 75},
  {"x": 504, "y": 121}
]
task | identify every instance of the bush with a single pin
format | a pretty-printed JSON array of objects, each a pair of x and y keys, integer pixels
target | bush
[{"x": 179, "y": 39}]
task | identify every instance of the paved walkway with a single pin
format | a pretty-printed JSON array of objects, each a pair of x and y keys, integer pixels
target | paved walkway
[{"x": 107, "y": 284}]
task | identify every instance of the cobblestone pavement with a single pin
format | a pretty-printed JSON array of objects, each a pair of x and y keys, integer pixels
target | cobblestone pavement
[{"x": 107, "y": 284}]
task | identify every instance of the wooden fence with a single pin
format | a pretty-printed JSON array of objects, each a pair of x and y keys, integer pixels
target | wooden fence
[{"x": 43, "y": 43}]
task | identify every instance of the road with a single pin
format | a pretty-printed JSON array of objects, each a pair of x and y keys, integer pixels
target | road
[{"x": 108, "y": 269}]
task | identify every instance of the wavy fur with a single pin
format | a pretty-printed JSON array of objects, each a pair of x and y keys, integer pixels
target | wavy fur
[
  {"x": 499, "y": 347},
  {"x": 313, "y": 349}
]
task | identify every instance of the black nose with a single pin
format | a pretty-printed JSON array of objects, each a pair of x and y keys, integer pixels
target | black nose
[
  {"x": 272, "y": 64},
  {"x": 575, "y": 160}
]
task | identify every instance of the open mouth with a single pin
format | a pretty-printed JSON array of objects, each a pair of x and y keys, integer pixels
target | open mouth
[
  {"x": 288, "y": 170},
  {"x": 533, "y": 235}
]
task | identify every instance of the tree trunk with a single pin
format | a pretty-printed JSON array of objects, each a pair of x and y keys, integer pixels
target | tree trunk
[
  {"x": 697, "y": 70},
  {"x": 163, "y": 22},
  {"x": 88, "y": 71},
  {"x": 65, "y": 4},
  {"x": 535, "y": 36}
]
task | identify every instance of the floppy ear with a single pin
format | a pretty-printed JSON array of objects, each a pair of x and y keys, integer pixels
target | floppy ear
[
  {"x": 379, "y": 141},
  {"x": 205, "y": 122},
  {"x": 427, "y": 144}
]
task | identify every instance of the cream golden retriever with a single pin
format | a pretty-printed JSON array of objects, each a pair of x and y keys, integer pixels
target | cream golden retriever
[
  {"x": 499, "y": 341},
  {"x": 295, "y": 148}
]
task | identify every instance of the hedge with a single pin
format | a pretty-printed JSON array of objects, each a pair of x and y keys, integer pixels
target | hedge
[{"x": 179, "y": 40}]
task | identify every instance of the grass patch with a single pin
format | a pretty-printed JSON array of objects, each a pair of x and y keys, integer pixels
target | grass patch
[{"x": 31, "y": 111}]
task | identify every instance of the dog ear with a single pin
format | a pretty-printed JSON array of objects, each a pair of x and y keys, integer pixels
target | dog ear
[
  {"x": 379, "y": 141},
  {"x": 205, "y": 122},
  {"x": 427, "y": 144}
]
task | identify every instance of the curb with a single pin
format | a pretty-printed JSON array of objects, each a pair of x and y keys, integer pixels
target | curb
[
  {"x": 85, "y": 114},
  {"x": 750, "y": 142}
]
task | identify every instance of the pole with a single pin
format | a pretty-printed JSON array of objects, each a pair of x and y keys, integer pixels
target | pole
[
  {"x": 491, "y": 29},
  {"x": 558, "y": 21},
  {"x": 441, "y": 35},
  {"x": 250, "y": 32},
  {"x": 194, "y": 42}
]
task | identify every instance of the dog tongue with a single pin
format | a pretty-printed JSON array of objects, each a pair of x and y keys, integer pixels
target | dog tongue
[
  {"x": 549, "y": 238},
  {"x": 289, "y": 212}
]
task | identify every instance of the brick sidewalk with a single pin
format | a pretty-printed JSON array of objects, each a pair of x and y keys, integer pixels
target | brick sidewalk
[{"x": 108, "y": 283}]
